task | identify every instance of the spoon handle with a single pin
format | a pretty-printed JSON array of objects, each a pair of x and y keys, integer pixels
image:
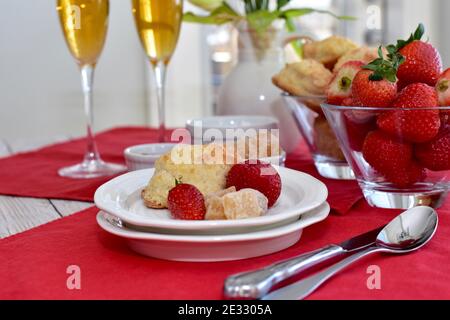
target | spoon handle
[
  {"x": 257, "y": 283},
  {"x": 303, "y": 288}
]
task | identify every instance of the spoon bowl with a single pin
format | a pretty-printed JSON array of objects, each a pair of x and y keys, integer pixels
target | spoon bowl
[{"x": 409, "y": 231}]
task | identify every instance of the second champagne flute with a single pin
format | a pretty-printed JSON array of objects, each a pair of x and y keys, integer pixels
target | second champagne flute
[{"x": 158, "y": 23}]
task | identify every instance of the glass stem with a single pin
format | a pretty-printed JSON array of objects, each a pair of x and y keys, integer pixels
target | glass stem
[
  {"x": 160, "y": 78},
  {"x": 87, "y": 81}
]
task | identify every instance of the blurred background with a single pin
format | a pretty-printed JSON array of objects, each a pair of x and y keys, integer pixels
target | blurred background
[{"x": 39, "y": 82}]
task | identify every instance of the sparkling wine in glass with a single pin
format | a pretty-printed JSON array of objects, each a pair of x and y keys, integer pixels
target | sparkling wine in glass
[
  {"x": 85, "y": 24},
  {"x": 158, "y": 23}
]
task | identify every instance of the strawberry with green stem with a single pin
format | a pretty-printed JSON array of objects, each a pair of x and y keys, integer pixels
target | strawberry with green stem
[
  {"x": 376, "y": 84},
  {"x": 423, "y": 63}
]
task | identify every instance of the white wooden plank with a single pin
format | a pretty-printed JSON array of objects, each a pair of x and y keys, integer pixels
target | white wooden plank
[
  {"x": 21, "y": 214},
  {"x": 67, "y": 208}
]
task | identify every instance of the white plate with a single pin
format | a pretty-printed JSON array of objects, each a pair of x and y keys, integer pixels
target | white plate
[
  {"x": 213, "y": 248},
  {"x": 122, "y": 198}
]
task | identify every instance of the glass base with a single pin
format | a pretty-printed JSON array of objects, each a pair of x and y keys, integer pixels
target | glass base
[
  {"x": 335, "y": 170},
  {"x": 404, "y": 200},
  {"x": 91, "y": 169}
]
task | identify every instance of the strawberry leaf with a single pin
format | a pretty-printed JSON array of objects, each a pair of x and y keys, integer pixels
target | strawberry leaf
[
  {"x": 385, "y": 67},
  {"x": 417, "y": 35}
]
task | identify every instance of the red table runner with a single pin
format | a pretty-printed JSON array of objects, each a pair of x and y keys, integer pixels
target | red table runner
[
  {"x": 33, "y": 265},
  {"x": 34, "y": 174}
]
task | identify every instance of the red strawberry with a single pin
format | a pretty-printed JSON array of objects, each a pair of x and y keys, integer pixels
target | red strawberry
[
  {"x": 256, "y": 175},
  {"x": 413, "y": 125},
  {"x": 445, "y": 118},
  {"x": 186, "y": 202},
  {"x": 373, "y": 93},
  {"x": 358, "y": 124},
  {"x": 423, "y": 63},
  {"x": 435, "y": 155},
  {"x": 443, "y": 88},
  {"x": 340, "y": 86},
  {"x": 407, "y": 176},
  {"x": 349, "y": 102},
  {"x": 385, "y": 154}
]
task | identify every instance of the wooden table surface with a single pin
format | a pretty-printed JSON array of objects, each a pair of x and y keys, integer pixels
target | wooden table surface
[{"x": 21, "y": 214}]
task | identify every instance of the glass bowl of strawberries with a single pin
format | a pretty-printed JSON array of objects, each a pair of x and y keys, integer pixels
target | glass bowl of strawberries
[{"x": 392, "y": 121}]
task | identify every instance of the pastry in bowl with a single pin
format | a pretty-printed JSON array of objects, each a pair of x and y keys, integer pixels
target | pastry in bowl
[
  {"x": 305, "y": 78},
  {"x": 364, "y": 54},
  {"x": 329, "y": 50}
]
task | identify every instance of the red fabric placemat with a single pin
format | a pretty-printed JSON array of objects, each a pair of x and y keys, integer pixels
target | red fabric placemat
[
  {"x": 33, "y": 264},
  {"x": 34, "y": 174}
]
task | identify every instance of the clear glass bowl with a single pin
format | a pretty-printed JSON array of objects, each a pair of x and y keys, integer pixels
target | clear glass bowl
[
  {"x": 319, "y": 136},
  {"x": 390, "y": 184}
]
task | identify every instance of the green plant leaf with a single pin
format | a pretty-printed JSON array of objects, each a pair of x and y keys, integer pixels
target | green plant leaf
[
  {"x": 261, "y": 20},
  {"x": 208, "y": 5},
  {"x": 282, "y": 3},
  {"x": 293, "y": 13},
  {"x": 221, "y": 15}
]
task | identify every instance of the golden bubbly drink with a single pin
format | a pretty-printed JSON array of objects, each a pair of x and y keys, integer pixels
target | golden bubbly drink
[
  {"x": 158, "y": 23},
  {"x": 84, "y": 24}
]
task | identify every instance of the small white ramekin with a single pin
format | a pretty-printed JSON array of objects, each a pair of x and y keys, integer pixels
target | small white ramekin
[{"x": 144, "y": 156}]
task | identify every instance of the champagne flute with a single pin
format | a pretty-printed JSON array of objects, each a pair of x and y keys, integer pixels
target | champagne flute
[
  {"x": 158, "y": 23},
  {"x": 84, "y": 24}
]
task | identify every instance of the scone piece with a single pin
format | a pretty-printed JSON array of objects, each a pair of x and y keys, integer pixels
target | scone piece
[
  {"x": 157, "y": 191},
  {"x": 305, "y": 78},
  {"x": 364, "y": 54},
  {"x": 328, "y": 51},
  {"x": 214, "y": 204},
  {"x": 246, "y": 203},
  {"x": 201, "y": 166},
  {"x": 262, "y": 144}
]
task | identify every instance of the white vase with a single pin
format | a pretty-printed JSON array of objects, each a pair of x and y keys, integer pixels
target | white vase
[{"x": 248, "y": 89}]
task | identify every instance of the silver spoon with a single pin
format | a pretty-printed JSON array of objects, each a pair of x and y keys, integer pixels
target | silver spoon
[{"x": 406, "y": 233}]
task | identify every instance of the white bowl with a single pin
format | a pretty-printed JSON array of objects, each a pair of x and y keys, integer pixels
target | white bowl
[
  {"x": 121, "y": 197},
  {"x": 204, "y": 248},
  {"x": 219, "y": 124},
  {"x": 144, "y": 156}
]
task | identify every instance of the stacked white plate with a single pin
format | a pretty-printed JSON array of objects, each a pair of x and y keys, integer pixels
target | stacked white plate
[{"x": 156, "y": 234}]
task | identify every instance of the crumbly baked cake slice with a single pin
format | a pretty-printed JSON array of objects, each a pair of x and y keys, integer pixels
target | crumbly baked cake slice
[{"x": 196, "y": 165}]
